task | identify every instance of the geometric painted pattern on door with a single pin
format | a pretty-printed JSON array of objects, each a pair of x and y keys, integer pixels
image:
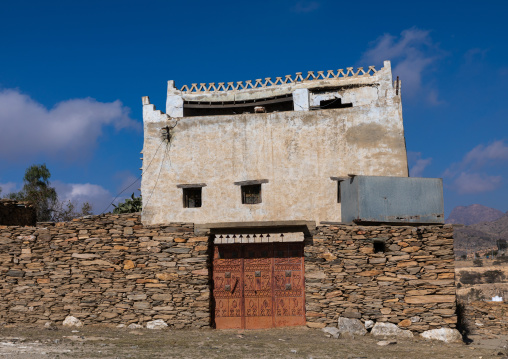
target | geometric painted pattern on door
[{"x": 259, "y": 285}]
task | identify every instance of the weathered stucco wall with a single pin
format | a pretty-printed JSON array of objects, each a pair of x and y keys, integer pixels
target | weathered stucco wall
[{"x": 296, "y": 151}]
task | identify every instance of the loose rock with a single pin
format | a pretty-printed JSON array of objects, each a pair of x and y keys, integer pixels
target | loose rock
[
  {"x": 390, "y": 330},
  {"x": 446, "y": 335},
  {"x": 351, "y": 326},
  {"x": 71, "y": 321},
  {"x": 156, "y": 324},
  {"x": 334, "y": 332}
]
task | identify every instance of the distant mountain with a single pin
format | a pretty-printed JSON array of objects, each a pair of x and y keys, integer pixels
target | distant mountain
[
  {"x": 480, "y": 235},
  {"x": 497, "y": 228},
  {"x": 472, "y": 214}
]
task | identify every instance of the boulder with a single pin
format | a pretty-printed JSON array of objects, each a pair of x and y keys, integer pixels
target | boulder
[
  {"x": 390, "y": 330},
  {"x": 156, "y": 324},
  {"x": 334, "y": 332},
  {"x": 369, "y": 324},
  {"x": 351, "y": 326},
  {"x": 71, "y": 321},
  {"x": 446, "y": 335}
]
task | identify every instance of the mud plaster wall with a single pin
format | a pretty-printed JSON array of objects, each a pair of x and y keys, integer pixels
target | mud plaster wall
[
  {"x": 296, "y": 151},
  {"x": 112, "y": 270},
  {"x": 411, "y": 283}
]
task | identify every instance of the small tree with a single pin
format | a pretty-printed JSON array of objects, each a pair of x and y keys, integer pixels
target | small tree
[
  {"x": 493, "y": 276},
  {"x": 66, "y": 211},
  {"x": 131, "y": 205},
  {"x": 37, "y": 190},
  {"x": 478, "y": 262}
]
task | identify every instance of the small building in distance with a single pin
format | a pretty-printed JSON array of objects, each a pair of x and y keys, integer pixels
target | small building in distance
[{"x": 269, "y": 150}]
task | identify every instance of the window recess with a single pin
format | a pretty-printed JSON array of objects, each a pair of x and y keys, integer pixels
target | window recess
[
  {"x": 192, "y": 194},
  {"x": 251, "y": 191}
]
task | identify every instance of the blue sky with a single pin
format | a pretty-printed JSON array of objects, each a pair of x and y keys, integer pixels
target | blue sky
[{"x": 72, "y": 74}]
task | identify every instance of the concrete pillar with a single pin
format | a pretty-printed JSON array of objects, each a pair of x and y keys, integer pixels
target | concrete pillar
[
  {"x": 174, "y": 101},
  {"x": 301, "y": 100}
]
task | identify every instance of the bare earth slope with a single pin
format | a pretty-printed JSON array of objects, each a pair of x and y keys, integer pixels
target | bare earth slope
[
  {"x": 481, "y": 235},
  {"x": 472, "y": 214}
]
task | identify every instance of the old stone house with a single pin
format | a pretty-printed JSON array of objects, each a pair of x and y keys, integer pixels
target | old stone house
[
  {"x": 271, "y": 169},
  {"x": 269, "y": 150}
]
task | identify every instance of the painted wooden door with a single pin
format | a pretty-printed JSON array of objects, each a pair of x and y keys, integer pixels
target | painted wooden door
[
  {"x": 289, "y": 291},
  {"x": 259, "y": 285},
  {"x": 227, "y": 291}
]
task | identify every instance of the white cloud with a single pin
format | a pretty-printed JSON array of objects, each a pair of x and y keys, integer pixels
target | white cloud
[
  {"x": 465, "y": 174},
  {"x": 412, "y": 54},
  {"x": 7, "y": 188},
  {"x": 69, "y": 130},
  {"x": 417, "y": 164},
  {"x": 79, "y": 193},
  {"x": 469, "y": 183},
  {"x": 306, "y": 6},
  {"x": 417, "y": 169},
  {"x": 481, "y": 155}
]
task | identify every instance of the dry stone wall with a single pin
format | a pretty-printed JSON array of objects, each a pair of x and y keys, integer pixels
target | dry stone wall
[
  {"x": 111, "y": 270},
  {"x": 14, "y": 213},
  {"x": 486, "y": 317},
  {"x": 401, "y": 275},
  {"x": 104, "y": 270}
]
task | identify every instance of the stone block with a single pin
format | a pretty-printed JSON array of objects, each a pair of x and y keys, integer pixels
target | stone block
[
  {"x": 446, "y": 335},
  {"x": 71, "y": 321},
  {"x": 424, "y": 299},
  {"x": 390, "y": 330},
  {"x": 334, "y": 332},
  {"x": 350, "y": 326}
]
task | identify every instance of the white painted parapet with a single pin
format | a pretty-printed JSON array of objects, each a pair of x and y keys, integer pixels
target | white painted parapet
[
  {"x": 301, "y": 99},
  {"x": 174, "y": 102}
]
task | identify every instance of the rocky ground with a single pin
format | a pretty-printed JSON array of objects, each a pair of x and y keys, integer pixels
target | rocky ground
[{"x": 100, "y": 342}]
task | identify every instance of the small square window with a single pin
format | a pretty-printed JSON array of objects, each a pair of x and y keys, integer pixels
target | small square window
[
  {"x": 192, "y": 197},
  {"x": 251, "y": 194}
]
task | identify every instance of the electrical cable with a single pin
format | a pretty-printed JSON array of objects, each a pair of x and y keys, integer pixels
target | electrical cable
[
  {"x": 158, "y": 175},
  {"x": 137, "y": 179},
  {"x": 336, "y": 99}
]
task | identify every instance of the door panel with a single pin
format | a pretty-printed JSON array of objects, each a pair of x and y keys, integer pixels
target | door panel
[
  {"x": 289, "y": 291},
  {"x": 259, "y": 285},
  {"x": 227, "y": 291}
]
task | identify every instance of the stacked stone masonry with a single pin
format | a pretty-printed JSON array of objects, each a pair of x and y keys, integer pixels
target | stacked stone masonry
[
  {"x": 104, "y": 270},
  {"x": 486, "y": 317},
  {"x": 409, "y": 280},
  {"x": 111, "y": 270},
  {"x": 14, "y": 213}
]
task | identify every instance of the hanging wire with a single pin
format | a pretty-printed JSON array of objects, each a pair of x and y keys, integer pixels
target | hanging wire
[
  {"x": 158, "y": 175},
  {"x": 136, "y": 180},
  {"x": 336, "y": 99}
]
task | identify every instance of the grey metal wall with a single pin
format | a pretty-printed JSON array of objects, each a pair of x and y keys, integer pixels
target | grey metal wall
[{"x": 392, "y": 199}]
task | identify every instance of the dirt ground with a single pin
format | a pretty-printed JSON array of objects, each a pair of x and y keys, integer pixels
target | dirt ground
[{"x": 97, "y": 342}]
